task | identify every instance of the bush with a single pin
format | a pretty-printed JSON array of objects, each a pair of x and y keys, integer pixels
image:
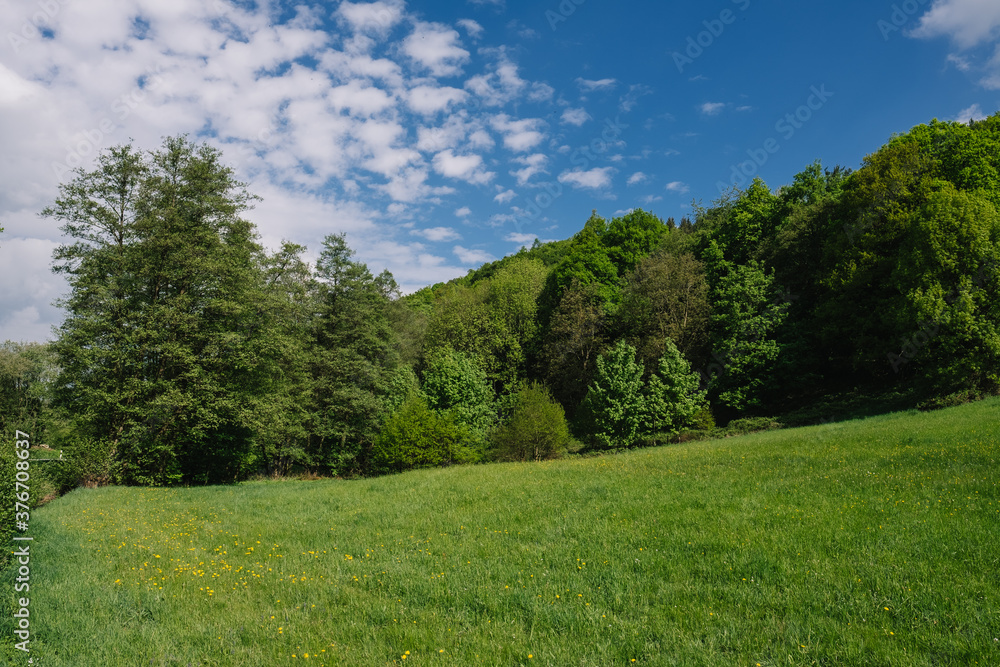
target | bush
[
  {"x": 535, "y": 431},
  {"x": 417, "y": 437},
  {"x": 751, "y": 425}
]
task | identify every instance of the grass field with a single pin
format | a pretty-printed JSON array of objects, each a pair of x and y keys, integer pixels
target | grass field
[{"x": 872, "y": 542}]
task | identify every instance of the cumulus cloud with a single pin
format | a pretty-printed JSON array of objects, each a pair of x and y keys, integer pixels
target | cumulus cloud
[
  {"x": 437, "y": 234},
  {"x": 467, "y": 168},
  {"x": 533, "y": 165},
  {"x": 520, "y": 239},
  {"x": 519, "y": 135},
  {"x": 437, "y": 48},
  {"x": 432, "y": 99},
  {"x": 967, "y": 22},
  {"x": 344, "y": 129},
  {"x": 712, "y": 108},
  {"x": 469, "y": 257},
  {"x": 637, "y": 178},
  {"x": 678, "y": 187},
  {"x": 505, "y": 196},
  {"x": 975, "y": 112},
  {"x": 472, "y": 27},
  {"x": 594, "y": 179},
  {"x": 575, "y": 117},
  {"x": 377, "y": 17}
]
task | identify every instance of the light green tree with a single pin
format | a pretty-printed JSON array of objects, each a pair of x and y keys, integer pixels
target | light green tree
[
  {"x": 612, "y": 412},
  {"x": 673, "y": 394}
]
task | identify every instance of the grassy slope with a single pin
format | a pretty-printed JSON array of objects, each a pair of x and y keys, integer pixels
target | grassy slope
[{"x": 870, "y": 542}]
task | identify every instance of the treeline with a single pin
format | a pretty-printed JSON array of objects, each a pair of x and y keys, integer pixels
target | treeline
[{"x": 192, "y": 355}]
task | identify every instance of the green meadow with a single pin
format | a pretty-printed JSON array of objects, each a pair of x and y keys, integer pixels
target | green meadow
[{"x": 870, "y": 542}]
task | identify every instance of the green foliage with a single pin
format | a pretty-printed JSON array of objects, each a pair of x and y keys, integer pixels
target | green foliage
[
  {"x": 353, "y": 364},
  {"x": 453, "y": 382},
  {"x": 160, "y": 349},
  {"x": 496, "y": 321},
  {"x": 416, "y": 436},
  {"x": 27, "y": 374},
  {"x": 576, "y": 334},
  {"x": 746, "y": 312},
  {"x": 612, "y": 412},
  {"x": 949, "y": 272},
  {"x": 666, "y": 298},
  {"x": 673, "y": 395},
  {"x": 535, "y": 431}
]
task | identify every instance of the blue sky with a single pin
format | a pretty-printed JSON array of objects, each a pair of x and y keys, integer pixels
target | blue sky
[{"x": 441, "y": 135}]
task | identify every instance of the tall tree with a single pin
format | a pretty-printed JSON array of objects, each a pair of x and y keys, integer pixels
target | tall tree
[
  {"x": 666, "y": 298},
  {"x": 355, "y": 362},
  {"x": 162, "y": 338}
]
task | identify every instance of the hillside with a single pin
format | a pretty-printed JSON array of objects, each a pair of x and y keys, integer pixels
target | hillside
[{"x": 867, "y": 542}]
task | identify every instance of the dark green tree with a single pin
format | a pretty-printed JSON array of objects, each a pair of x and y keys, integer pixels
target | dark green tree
[
  {"x": 162, "y": 342},
  {"x": 354, "y": 361}
]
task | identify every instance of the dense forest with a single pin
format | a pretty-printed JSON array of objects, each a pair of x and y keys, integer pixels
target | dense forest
[{"x": 192, "y": 355}]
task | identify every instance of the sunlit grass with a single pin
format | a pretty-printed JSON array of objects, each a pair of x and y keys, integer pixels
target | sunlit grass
[{"x": 871, "y": 542}]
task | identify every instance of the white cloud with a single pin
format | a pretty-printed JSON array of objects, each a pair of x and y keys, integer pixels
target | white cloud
[
  {"x": 975, "y": 112},
  {"x": 27, "y": 289},
  {"x": 678, "y": 187},
  {"x": 712, "y": 108},
  {"x": 594, "y": 179},
  {"x": 320, "y": 122},
  {"x": 437, "y": 234},
  {"x": 520, "y": 239},
  {"x": 362, "y": 100},
  {"x": 504, "y": 84},
  {"x": 651, "y": 199},
  {"x": 472, "y": 27},
  {"x": 505, "y": 196},
  {"x": 519, "y": 135},
  {"x": 436, "y": 47},
  {"x": 377, "y": 17},
  {"x": 575, "y": 117},
  {"x": 463, "y": 212},
  {"x": 967, "y": 22},
  {"x": 631, "y": 99},
  {"x": 637, "y": 178},
  {"x": 533, "y": 165},
  {"x": 469, "y": 257},
  {"x": 467, "y": 168},
  {"x": 589, "y": 85},
  {"x": 432, "y": 99}
]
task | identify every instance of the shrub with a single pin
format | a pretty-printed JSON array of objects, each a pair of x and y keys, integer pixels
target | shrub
[
  {"x": 535, "y": 431},
  {"x": 417, "y": 437}
]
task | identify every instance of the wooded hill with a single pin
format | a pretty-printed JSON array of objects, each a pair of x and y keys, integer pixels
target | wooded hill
[{"x": 191, "y": 355}]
